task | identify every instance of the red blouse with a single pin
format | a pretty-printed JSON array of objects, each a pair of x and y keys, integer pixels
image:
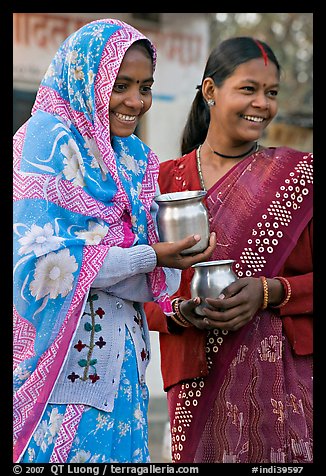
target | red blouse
[{"x": 183, "y": 355}]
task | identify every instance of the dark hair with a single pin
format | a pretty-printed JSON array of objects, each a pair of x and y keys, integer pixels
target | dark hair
[
  {"x": 221, "y": 64},
  {"x": 145, "y": 45}
]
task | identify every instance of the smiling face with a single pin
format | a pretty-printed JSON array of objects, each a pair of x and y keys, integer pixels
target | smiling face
[
  {"x": 245, "y": 103},
  {"x": 131, "y": 95}
]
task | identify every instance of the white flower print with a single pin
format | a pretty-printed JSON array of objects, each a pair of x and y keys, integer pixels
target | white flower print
[
  {"x": 97, "y": 32},
  {"x": 39, "y": 436},
  {"x": 72, "y": 56},
  {"x": 74, "y": 167},
  {"x": 133, "y": 220},
  {"x": 127, "y": 354},
  {"x": 78, "y": 73},
  {"x": 110, "y": 424},
  {"x": 139, "y": 416},
  {"x": 102, "y": 421},
  {"x": 91, "y": 76},
  {"x": 81, "y": 457},
  {"x": 128, "y": 393},
  {"x": 39, "y": 240},
  {"x": 89, "y": 106},
  {"x": 124, "y": 428},
  {"x": 79, "y": 99},
  {"x": 31, "y": 454},
  {"x": 139, "y": 188},
  {"x": 21, "y": 372},
  {"x": 53, "y": 275},
  {"x": 55, "y": 422},
  {"x": 94, "y": 152},
  {"x": 141, "y": 229},
  {"x": 94, "y": 235},
  {"x": 129, "y": 162},
  {"x": 46, "y": 432},
  {"x": 95, "y": 458},
  {"x": 135, "y": 192},
  {"x": 137, "y": 456}
]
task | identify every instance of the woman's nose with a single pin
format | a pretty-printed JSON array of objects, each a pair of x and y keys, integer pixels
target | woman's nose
[
  {"x": 135, "y": 101},
  {"x": 261, "y": 101}
]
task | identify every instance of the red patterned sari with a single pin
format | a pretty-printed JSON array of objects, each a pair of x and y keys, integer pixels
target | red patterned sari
[{"x": 255, "y": 404}]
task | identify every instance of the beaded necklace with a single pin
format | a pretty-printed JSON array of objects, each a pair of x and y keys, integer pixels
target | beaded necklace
[{"x": 200, "y": 173}]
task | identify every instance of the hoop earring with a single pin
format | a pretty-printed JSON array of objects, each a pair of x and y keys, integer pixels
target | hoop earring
[{"x": 210, "y": 102}]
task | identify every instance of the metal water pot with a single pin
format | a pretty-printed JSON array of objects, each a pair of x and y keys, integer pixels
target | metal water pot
[
  {"x": 182, "y": 214},
  {"x": 209, "y": 280}
]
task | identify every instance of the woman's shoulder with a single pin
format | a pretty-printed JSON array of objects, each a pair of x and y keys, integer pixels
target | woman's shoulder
[
  {"x": 290, "y": 151},
  {"x": 181, "y": 161},
  {"x": 289, "y": 156},
  {"x": 178, "y": 174}
]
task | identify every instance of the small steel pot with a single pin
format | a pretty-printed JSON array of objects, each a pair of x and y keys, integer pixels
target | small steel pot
[
  {"x": 182, "y": 214},
  {"x": 209, "y": 280}
]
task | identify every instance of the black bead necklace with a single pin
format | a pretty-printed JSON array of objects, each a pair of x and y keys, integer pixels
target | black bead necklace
[{"x": 254, "y": 148}]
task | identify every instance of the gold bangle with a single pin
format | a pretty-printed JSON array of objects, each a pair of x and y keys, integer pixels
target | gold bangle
[
  {"x": 177, "y": 316},
  {"x": 265, "y": 290},
  {"x": 176, "y": 320},
  {"x": 288, "y": 291}
]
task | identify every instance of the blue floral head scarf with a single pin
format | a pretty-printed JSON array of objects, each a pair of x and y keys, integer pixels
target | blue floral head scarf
[{"x": 77, "y": 191}]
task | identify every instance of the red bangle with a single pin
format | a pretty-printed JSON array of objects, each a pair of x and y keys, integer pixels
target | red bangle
[
  {"x": 287, "y": 288},
  {"x": 265, "y": 289}
]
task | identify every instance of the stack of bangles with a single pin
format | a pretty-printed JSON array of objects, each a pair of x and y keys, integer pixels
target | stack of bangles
[
  {"x": 287, "y": 292},
  {"x": 177, "y": 317}
]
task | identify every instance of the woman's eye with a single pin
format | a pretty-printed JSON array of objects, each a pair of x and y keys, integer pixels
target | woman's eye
[
  {"x": 119, "y": 87},
  {"x": 146, "y": 89},
  {"x": 273, "y": 93},
  {"x": 248, "y": 88}
]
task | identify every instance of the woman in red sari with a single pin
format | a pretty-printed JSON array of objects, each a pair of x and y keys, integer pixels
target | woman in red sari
[{"x": 239, "y": 379}]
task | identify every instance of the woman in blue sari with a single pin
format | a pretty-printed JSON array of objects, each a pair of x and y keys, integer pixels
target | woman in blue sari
[{"x": 86, "y": 253}]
